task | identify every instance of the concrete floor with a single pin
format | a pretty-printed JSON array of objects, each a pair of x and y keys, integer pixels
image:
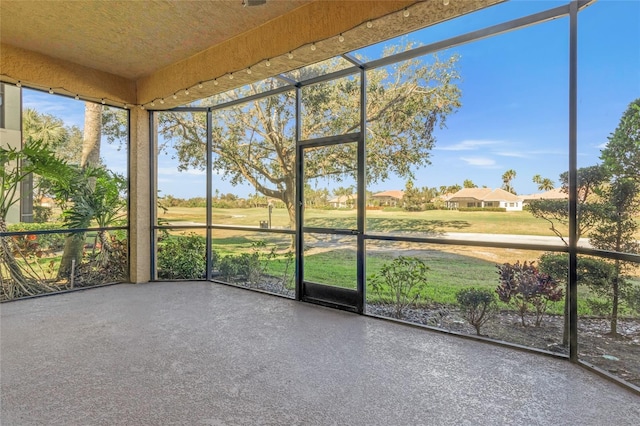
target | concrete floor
[{"x": 204, "y": 354}]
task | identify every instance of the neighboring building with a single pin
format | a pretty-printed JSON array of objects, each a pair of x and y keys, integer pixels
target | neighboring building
[
  {"x": 485, "y": 197},
  {"x": 388, "y": 198},
  {"x": 553, "y": 194},
  {"x": 11, "y": 138},
  {"x": 343, "y": 201}
]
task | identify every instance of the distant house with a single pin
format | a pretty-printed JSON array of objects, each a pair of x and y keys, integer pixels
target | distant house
[
  {"x": 388, "y": 198},
  {"x": 554, "y": 194},
  {"x": 485, "y": 197},
  {"x": 343, "y": 201}
]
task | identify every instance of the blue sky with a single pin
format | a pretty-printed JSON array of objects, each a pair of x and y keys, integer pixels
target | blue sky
[{"x": 514, "y": 99}]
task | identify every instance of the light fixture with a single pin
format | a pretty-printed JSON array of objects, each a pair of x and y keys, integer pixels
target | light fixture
[
  {"x": 290, "y": 55},
  {"x": 76, "y": 97},
  {"x": 199, "y": 85},
  {"x": 267, "y": 63},
  {"x": 248, "y": 70},
  {"x": 153, "y": 104},
  {"x": 161, "y": 101},
  {"x": 445, "y": 2},
  {"x": 50, "y": 90},
  {"x": 341, "y": 38},
  {"x": 18, "y": 84},
  {"x": 102, "y": 101},
  {"x": 126, "y": 106},
  {"x": 215, "y": 82},
  {"x": 230, "y": 76},
  {"x": 175, "y": 96},
  {"x": 369, "y": 24},
  {"x": 141, "y": 106},
  {"x": 313, "y": 46},
  {"x": 186, "y": 91},
  {"x": 406, "y": 13}
]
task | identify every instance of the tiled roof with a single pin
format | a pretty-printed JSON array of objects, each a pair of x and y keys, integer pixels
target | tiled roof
[
  {"x": 485, "y": 194},
  {"x": 554, "y": 194},
  {"x": 394, "y": 193}
]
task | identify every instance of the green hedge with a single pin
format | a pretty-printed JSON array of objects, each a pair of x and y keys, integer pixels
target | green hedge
[
  {"x": 46, "y": 241},
  {"x": 482, "y": 209}
]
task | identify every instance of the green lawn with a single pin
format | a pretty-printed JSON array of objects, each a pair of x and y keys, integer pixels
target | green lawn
[
  {"x": 448, "y": 271},
  {"x": 451, "y": 267},
  {"x": 432, "y": 221}
]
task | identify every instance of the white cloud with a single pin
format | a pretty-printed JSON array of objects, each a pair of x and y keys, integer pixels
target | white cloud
[
  {"x": 479, "y": 161},
  {"x": 468, "y": 145},
  {"x": 513, "y": 154}
]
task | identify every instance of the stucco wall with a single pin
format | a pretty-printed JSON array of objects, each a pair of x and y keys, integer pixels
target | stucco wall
[{"x": 10, "y": 134}]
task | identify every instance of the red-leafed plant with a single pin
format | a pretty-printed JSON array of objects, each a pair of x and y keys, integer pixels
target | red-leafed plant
[{"x": 524, "y": 286}]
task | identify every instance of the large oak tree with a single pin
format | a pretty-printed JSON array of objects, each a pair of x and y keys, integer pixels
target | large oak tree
[{"x": 254, "y": 142}]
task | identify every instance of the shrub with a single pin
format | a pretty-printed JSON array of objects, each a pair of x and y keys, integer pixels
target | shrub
[
  {"x": 523, "y": 285},
  {"x": 94, "y": 270},
  {"x": 600, "y": 308},
  {"x": 401, "y": 281},
  {"x": 42, "y": 214},
  {"x": 478, "y": 306},
  {"x": 482, "y": 209},
  {"x": 182, "y": 257},
  {"x": 429, "y": 206},
  {"x": 249, "y": 267},
  {"x": 47, "y": 242},
  {"x": 228, "y": 268},
  {"x": 633, "y": 298},
  {"x": 246, "y": 266}
]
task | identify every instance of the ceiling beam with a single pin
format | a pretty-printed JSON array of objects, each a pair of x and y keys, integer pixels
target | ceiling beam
[{"x": 43, "y": 72}]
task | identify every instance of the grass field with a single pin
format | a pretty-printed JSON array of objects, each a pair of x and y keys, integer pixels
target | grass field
[{"x": 377, "y": 220}]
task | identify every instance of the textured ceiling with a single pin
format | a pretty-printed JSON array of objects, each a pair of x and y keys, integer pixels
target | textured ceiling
[
  {"x": 129, "y": 38},
  {"x": 137, "y": 52}
]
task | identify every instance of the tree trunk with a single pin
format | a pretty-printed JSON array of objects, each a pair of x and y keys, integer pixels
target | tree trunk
[
  {"x": 105, "y": 247},
  {"x": 615, "y": 301},
  {"x": 74, "y": 243},
  {"x": 290, "y": 204},
  {"x": 92, "y": 134},
  {"x": 73, "y": 246}
]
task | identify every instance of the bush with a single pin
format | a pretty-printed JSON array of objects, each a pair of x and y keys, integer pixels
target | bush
[
  {"x": 523, "y": 285},
  {"x": 633, "y": 298},
  {"x": 478, "y": 306},
  {"x": 46, "y": 242},
  {"x": 104, "y": 266},
  {"x": 42, "y": 214},
  {"x": 228, "y": 268},
  {"x": 401, "y": 282},
  {"x": 600, "y": 308},
  {"x": 429, "y": 206},
  {"x": 482, "y": 209},
  {"x": 249, "y": 267},
  {"x": 182, "y": 257}
]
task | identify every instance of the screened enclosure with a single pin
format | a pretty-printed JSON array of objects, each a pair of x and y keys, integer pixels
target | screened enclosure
[{"x": 432, "y": 179}]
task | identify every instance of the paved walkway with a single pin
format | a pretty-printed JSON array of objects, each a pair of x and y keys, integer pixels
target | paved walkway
[{"x": 206, "y": 354}]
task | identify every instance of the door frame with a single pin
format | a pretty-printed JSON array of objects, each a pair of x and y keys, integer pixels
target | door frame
[{"x": 319, "y": 293}]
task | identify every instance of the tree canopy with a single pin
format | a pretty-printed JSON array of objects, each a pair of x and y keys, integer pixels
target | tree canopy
[
  {"x": 254, "y": 142},
  {"x": 621, "y": 156},
  {"x": 507, "y": 177}
]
